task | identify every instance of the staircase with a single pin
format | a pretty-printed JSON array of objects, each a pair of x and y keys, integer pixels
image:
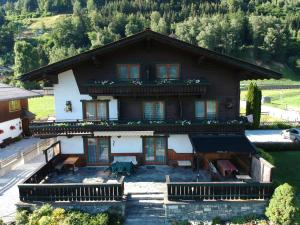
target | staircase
[{"x": 145, "y": 208}]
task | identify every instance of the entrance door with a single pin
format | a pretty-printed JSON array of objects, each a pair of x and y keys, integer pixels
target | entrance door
[
  {"x": 155, "y": 150},
  {"x": 98, "y": 150}
]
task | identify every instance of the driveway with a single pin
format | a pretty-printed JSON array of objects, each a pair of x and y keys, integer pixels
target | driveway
[{"x": 265, "y": 136}]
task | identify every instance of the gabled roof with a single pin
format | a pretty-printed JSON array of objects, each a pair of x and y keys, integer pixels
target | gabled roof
[
  {"x": 8, "y": 92},
  {"x": 63, "y": 65}
]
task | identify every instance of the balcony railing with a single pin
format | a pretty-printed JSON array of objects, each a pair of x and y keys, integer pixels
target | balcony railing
[
  {"x": 145, "y": 88},
  {"x": 84, "y": 127}
]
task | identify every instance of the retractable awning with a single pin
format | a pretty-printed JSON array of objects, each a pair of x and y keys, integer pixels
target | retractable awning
[{"x": 221, "y": 143}]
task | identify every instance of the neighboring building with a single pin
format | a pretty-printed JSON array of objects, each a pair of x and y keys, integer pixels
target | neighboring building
[
  {"x": 14, "y": 114},
  {"x": 149, "y": 96}
]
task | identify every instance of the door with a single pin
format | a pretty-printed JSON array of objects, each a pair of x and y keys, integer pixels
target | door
[
  {"x": 98, "y": 151},
  {"x": 155, "y": 150}
]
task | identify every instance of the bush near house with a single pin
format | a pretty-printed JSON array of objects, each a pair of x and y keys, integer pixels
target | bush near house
[
  {"x": 47, "y": 215},
  {"x": 282, "y": 208}
]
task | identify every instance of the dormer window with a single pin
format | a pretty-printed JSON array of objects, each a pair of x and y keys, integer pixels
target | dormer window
[
  {"x": 167, "y": 71},
  {"x": 128, "y": 71}
]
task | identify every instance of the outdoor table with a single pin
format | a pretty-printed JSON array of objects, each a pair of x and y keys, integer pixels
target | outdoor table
[
  {"x": 226, "y": 167},
  {"x": 71, "y": 161}
]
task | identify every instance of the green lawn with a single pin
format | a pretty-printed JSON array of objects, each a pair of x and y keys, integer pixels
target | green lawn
[
  {"x": 281, "y": 98},
  {"x": 287, "y": 170},
  {"x": 42, "y": 107}
]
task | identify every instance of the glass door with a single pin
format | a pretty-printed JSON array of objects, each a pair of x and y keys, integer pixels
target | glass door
[
  {"x": 155, "y": 150},
  {"x": 98, "y": 150}
]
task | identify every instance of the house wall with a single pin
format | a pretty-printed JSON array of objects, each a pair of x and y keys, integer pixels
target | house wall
[
  {"x": 67, "y": 90},
  {"x": 7, "y": 132},
  {"x": 72, "y": 145},
  {"x": 5, "y": 115},
  {"x": 180, "y": 146},
  {"x": 223, "y": 79}
]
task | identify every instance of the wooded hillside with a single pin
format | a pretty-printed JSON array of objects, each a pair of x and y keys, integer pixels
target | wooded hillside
[{"x": 34, "y": 33}]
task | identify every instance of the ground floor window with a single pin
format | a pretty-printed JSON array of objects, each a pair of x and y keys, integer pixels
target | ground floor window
[
  {"x": 155, "y": 149},
  {"x": 98, "y": 150}
]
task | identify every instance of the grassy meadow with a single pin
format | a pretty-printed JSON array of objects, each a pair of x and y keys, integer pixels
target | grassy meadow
[
  {"x": 282, "y": 98},
  {"x": 42, "y": 107}
]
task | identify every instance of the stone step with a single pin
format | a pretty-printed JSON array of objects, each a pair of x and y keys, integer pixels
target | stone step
[
  {"x": 144, "y": 221},
  {"x": 146, "y": 196}
]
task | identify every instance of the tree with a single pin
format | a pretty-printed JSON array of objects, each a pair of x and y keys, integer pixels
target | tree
[
  {"x": 102, "y": 37},
  {"x": 188, "y": 30},
  {"x": 26, "y": 57},
  {"x": 158, "y": 23},
  {"x": 60, "y": 53},
  {"x": 253, "y": 104},
  {"x": 282, "y": 207}
]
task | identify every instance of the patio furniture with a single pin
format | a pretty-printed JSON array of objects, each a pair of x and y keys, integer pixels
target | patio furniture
[
  {"x": 125, "y": 159},
  {"x": 122, "y": 167},
  {"x": 69, "y": 161},
  {"x": 184, "y": 163},
  {"x": 226, "y": 168},
  {"x": 244, "y": 178}
]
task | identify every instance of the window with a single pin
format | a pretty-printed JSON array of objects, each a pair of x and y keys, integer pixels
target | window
[
  {"x": 154, "y": 110},
  {"x": 96, "y": 110},
  {"x": 155, "y": 149},
  {"x": 98, "y": 150},
  {"x": 167, "y": 71},
  {"x": 206, "y": 109},
  {"x": 14, "y": 105},
  {"x": 129, "y": 71}
]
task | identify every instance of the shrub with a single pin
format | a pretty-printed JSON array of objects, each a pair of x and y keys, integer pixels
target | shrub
[
  {"x": 99, "y": 219},
  {"x": 115, "y": 219},
  {"x": 22, "y": 217},
  {"x": 77, "y": 218},
  {"x": 282, "y": 207},
  {"x": 1, "y": 222},
  {"x": 267, "y": 156},
  {"x": 45, "y": 210},
  {"x": 216, "y": 220}
]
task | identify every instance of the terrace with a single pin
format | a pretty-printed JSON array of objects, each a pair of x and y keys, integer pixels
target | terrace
[
  {"x": 90, "y": 184},
  {"x": 87, "y": 127}
]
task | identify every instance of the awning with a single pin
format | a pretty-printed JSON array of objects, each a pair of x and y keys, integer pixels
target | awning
[{"x": 222, "y": 143}]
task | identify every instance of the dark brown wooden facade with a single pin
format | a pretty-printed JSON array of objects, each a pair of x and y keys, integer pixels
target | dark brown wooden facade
[{"x": 6, "y": 115}]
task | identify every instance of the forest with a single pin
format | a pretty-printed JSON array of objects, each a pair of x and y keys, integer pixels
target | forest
[{"x": 34, "y": 33}]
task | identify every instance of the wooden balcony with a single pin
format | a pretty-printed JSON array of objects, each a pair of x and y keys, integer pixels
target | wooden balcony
[
  {"x": 142, "y": 88},
  {"x": 87, "y": 128}
]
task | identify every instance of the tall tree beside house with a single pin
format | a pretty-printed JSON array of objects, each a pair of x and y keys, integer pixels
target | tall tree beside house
[{"x": 253, "y": 103}]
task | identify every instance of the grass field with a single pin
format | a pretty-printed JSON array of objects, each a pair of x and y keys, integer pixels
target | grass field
[
  {"x": 47, "y": 22},
  {"x": 287, "y": 167},
  {"x": 287, "y": 170},
  {"x": 42, "y": 107},
  {"x": 282, "y": 98}
]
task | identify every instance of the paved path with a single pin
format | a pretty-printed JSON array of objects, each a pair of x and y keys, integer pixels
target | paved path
[
  {"x": 17, "y": 147},
  {"x": 9, "y": 194},
  {"x": 265, "y": 136},
  {"x": 289, "y": 115}
]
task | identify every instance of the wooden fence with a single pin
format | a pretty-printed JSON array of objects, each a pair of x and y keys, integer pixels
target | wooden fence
[
  {"x": 34, "y": 189},
  {"x": 72, "y": 192},
  {"x": 218, "y": 190}
]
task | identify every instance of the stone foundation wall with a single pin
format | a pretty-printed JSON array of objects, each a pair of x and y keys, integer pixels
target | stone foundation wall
[
  {"x": 208, "y": 210},
  {"x": 89, "y": 207}
]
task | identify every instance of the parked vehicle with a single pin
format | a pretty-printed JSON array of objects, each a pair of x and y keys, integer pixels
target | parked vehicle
[{"x": 293, "y": 134}]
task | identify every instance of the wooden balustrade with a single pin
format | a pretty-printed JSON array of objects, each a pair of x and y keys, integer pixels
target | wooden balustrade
[
  {"x": 72, "y": 192},
  {"x": 218, "y": 190},
  {"x": 76, "y": 128}
]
